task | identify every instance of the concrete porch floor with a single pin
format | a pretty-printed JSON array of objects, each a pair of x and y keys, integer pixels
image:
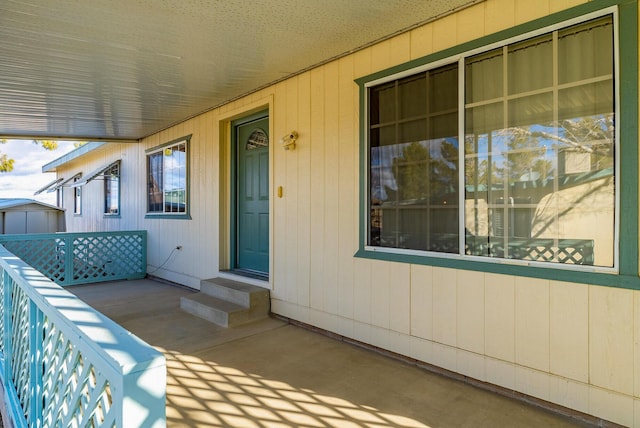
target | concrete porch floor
[{"x": 274, "y": 374}]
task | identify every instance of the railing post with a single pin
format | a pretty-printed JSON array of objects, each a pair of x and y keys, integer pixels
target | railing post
[
  {"x": 6, "y": 339},
  {"x": 68, "y": 260},
  {"x": 3, "y": 280},
  {"x": 143, "y": 397},
  {"x": 13, "y": 406},
  {"x": 143, "y": 256},
  {"x": 35, "y": 360}
]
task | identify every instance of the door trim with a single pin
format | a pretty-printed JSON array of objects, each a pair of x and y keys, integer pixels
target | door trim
[{"x": 233, "y": 202}]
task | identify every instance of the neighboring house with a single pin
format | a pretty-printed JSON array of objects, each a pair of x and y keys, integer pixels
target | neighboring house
[
  {"x": 513, "y": 262},
  {"x": 19, "y": 216}
]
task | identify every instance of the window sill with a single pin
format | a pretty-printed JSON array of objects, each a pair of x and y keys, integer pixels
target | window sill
[
  {"x": 568, "y": 273},
  {"x": 168, "y": 216}
]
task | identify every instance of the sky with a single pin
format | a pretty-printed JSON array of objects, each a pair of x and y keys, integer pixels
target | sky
[{"x": 27, "y": 176}]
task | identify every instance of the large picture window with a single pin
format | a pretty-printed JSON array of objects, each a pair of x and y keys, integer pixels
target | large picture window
[
  {"x": 524, "y": 169},
  {"x": 167, "y": 178}
]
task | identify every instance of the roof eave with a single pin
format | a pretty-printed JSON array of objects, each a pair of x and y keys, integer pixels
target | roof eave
[
  {"x": 8, "y": 203},
  {"x": 72, "y": 155}
]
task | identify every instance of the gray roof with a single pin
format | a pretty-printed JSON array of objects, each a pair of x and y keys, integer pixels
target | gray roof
[{"x": 6, "y": 203}]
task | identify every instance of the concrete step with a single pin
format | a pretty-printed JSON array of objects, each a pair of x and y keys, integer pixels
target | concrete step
[
  {"x": 237, "y": 292},
  {"x": 227, "y": 303},
  {"x": 214, "y": 310}
]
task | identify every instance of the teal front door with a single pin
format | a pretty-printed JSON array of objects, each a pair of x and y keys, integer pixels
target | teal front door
[{"x": 252, "y": 196}]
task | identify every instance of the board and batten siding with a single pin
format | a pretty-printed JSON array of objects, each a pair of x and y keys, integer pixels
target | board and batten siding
[{"x": 575, "y": 345}]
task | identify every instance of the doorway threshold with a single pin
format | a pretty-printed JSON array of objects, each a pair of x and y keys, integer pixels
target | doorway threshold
[{"x": 252, "y": 277}]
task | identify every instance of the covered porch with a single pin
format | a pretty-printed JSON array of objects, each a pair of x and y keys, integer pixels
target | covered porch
[{"x": 275, "y": 374}]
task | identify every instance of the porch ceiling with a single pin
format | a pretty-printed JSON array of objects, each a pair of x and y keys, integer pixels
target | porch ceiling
[{"x": 124, "y": 69}]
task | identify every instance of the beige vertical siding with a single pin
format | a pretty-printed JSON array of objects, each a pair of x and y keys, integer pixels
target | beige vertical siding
[
  {"x": 92, "y": 218},
  {"x": 576, "y": 345},
  {"x": 543, "y": 338}
]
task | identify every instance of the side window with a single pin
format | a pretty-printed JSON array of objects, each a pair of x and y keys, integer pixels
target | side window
[
  {"x": 59, "y": 197},
  {"x": 112, "y": 190},
  {"x": 167, "y": 180},
  {"x": 77, "y": 197}
]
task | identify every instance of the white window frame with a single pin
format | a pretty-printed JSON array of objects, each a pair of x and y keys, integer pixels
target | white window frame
[
  {"x": 77, "y": 197},
  {"x": 111, "y": 180},
  {"x": 183, "y": 141}
]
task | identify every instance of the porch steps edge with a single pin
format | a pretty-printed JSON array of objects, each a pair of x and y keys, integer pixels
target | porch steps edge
[
  {"x": 227, "y": 303},
  {"x": 234, "y": 291}
]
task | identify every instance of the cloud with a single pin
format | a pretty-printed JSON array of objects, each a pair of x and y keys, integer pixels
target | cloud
[{"x": 27, "y": 176}]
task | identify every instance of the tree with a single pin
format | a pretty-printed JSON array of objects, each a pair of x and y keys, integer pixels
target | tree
[{"x": 6, "y": 163}]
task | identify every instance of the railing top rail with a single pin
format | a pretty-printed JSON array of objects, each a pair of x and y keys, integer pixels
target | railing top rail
[
  {"x": 40, "y": 236},
  {"x": 118, "y": 349}
]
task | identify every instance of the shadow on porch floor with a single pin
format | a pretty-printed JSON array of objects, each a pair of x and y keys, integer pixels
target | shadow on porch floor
[{"x": 273, "y": 374}]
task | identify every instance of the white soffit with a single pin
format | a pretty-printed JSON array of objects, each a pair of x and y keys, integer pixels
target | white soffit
[{"x": 124, "y": 69}]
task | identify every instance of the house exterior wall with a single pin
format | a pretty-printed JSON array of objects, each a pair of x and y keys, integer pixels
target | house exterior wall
[
  {"x": 573, "y": 344},
  {"x": 91, "y": 217},
  {"x": 194, "y": 262}
]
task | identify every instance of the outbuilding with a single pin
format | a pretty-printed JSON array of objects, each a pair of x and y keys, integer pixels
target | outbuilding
[{"x": 19, "y": 215}]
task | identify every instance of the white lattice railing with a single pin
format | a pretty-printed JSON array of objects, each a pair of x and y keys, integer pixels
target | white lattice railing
[{"x": 62, "y": 364}]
